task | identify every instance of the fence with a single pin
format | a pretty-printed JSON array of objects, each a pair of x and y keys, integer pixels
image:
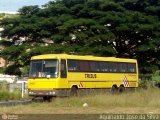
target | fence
[
  {"x": 11, "y": 87},
  {"x": 8, "y": 78},
  {"x": 17, "y": 87}
]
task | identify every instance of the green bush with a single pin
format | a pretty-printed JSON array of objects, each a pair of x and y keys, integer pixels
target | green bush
[
  {"x": 3, "y": 86},
  {"x": 2, "y": 70},
  {"x": 6, "y": 95},
  {"x": 156, "y": 78},
  {"x": 157, "y": 84},
  {"x": 16, "y": 95},
  {"x": 145, "y": 84}
]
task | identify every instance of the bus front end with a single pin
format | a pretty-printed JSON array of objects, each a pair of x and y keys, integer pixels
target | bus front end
[{"x": 43, "y": 77}]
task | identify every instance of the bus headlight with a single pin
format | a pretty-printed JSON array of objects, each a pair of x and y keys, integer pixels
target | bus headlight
[
  {"x": 52, "y": 93},
  {"x": 31, "y": 93}
]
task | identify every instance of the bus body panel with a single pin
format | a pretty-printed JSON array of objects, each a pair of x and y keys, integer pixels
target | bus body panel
[
  {"x": 102, "y": 80},
  {"x": 42, "y": 84},
  {"x": 82, "y": 80}
]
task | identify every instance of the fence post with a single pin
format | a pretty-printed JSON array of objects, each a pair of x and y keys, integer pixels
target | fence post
[{"x": 22, "y": 89}]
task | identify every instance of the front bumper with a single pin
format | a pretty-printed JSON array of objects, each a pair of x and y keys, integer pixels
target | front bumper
[{"x": 42, "y": 92}]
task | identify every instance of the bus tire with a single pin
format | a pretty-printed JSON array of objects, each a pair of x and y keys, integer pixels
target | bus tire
[
  {"x": 114, "y": 89},
  {"x": 47, "y": 99},
  {"x": 74, "y": 91},
  {"x": 121, "y": 89}
]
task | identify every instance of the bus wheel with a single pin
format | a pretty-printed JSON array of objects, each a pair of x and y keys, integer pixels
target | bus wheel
[
  {"x": 47, "y": 98},
  {"x": 74, "y": 91},
  {"x": 114, "y": 89},
  {"x": 121, "y": 89}
]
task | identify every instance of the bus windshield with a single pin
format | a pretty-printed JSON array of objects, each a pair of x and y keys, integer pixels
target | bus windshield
[{"x": 44, "y": 69}]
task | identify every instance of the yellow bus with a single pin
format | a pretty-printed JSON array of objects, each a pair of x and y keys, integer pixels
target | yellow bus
[{"x": 65, "y": 75}]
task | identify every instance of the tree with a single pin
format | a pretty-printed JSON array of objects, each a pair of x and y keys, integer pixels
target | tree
[
  {"x": 121, "y": 28},
  {"x": 29, "y": 10}
]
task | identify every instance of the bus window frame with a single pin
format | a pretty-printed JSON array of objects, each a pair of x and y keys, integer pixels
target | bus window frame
[
  {"x": 63, "y": 71},
  {"x": 108, "y": 64},
  {"x": 43, "y": 61}
]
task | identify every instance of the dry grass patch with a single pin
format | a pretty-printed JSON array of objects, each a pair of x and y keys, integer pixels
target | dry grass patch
[{"x": 142, "y": 101}]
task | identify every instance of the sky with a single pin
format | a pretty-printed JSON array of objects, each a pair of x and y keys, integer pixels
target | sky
[{"x": 11, "y": 6}]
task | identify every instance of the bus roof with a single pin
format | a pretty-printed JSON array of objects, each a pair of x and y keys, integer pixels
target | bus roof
[{"x": 80, "y": 57}]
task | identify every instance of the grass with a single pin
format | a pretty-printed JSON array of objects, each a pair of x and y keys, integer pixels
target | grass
[
  {"x": 141, "y": 101},
  {"x": 6, "y": 95},
  {"x": 141, "y": 98}
]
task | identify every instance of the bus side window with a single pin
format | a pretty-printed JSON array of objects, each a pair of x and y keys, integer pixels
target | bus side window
[
  {"x": 72, "y": 65},
  {"x": 63, "y": 69},
  {"x": 123, "y": 67},
  {"x": 84, "y": 66},
  {"x": 94, "y": 66},
  {"x": 131, "y": 67},
  {"x": 110, "y": 66},
  {"x": 104, "y": 66}
]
